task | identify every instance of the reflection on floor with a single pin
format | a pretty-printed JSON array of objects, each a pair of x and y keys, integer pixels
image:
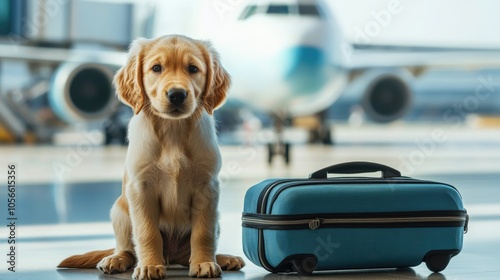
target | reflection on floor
[{"x": 64, "y": 214}]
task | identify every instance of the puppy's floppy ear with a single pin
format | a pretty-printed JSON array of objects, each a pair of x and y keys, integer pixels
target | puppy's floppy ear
[
  {"x": 218, "y": 80},
  {"x": 128, "y": 80}
]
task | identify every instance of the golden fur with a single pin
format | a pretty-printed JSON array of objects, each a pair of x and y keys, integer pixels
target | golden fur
[{"x": 167, "y": 213}]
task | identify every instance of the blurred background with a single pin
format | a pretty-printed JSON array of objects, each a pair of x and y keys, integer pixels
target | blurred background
[
  {"x": 306, "y": 64},
  {"x": 411, "y": 84}
]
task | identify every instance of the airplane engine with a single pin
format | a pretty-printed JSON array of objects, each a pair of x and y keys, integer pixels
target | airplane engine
[
  {"x": 387, "y": 95},
  {"x": 82, "y": 92}
]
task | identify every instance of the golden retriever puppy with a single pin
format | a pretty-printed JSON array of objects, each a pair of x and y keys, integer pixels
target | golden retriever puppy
[{"x": 167, "y": 212}]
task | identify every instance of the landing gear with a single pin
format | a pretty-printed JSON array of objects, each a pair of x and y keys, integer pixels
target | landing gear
[
  {"x": 279, "y": 147},
  {"x": 321, "y": 131},
  {"x": 115, "y": 128},
  {"x": 322, "y": 135},
  {"x": 113, "y": 132}
]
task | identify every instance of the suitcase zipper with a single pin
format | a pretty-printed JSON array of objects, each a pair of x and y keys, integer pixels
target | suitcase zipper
[{"x": 286, "y": 222}]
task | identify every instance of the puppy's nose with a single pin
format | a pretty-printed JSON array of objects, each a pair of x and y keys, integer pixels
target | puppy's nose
[{"x": 176, "y": 96}]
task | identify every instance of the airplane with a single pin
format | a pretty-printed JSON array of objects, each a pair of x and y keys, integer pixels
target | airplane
[{"x": 288, "y": 58}]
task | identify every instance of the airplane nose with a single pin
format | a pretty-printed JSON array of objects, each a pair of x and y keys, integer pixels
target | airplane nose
[{"x": 304, "y": 68}]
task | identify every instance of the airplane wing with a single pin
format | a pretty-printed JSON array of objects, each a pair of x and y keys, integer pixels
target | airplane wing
[
  {"x": 368, "y": 56},
  {"x": 383, "y": 75},
  {"x": 59, "y": 55}
]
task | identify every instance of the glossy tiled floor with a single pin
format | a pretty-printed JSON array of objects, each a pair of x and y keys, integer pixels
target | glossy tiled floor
[{"x": 65, "y": 211}]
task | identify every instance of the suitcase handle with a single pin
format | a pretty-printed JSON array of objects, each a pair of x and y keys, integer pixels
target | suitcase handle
[{"x": 356, "y": 167}]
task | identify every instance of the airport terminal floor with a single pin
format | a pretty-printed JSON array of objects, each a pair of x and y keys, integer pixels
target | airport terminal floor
[{"x": 64, "y": 194}]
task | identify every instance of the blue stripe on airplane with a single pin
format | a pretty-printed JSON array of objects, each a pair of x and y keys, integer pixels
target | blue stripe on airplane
[{"x": 304, "y": 68}]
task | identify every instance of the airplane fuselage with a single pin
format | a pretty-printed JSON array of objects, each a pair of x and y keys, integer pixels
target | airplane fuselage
[{"x": 280, "y": 56}]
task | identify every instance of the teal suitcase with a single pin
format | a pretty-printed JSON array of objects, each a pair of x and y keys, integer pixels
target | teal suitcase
[{"x": 321, "y": 223}]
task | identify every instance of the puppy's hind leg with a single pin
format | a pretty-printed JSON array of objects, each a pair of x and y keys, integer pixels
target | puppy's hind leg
[{"x": 123, "y": 257}]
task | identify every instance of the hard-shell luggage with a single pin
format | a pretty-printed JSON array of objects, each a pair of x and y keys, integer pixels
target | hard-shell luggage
[{"x": 322, "y": 223}]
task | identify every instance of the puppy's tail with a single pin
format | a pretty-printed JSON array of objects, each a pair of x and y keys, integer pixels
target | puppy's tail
[{"x": 87, "y": 260}]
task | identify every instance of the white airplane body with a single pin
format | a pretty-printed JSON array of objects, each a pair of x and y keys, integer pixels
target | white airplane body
[{"x": 280, "y": 56}]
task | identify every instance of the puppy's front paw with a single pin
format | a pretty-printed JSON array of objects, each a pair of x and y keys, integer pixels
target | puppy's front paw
[
  {"x": 113, "y": 264},
  {"x": 205, "y": 270},
  {"x": 149, "y": 272},
  {"x": 229, "y": 262}
]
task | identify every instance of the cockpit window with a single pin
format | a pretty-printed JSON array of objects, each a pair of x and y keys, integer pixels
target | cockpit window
[
  {"x": 308, "y": 10},
  {"x": 278, "y": 9},
  {"x": 248, "y": 12}
]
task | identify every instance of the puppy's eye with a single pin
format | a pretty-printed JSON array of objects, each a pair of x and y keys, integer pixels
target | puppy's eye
[
  {"x": 156, "y": 68},
  {"x": 192, "y": 69}
]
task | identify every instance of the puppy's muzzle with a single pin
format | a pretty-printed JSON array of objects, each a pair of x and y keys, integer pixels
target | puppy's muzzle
[{"x": 176, "y": 96}]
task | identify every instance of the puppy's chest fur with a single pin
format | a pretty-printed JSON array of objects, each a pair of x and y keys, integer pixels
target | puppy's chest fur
[
  {"x": 174, "y": 164},
  {"x": 174, "y": 187}
]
